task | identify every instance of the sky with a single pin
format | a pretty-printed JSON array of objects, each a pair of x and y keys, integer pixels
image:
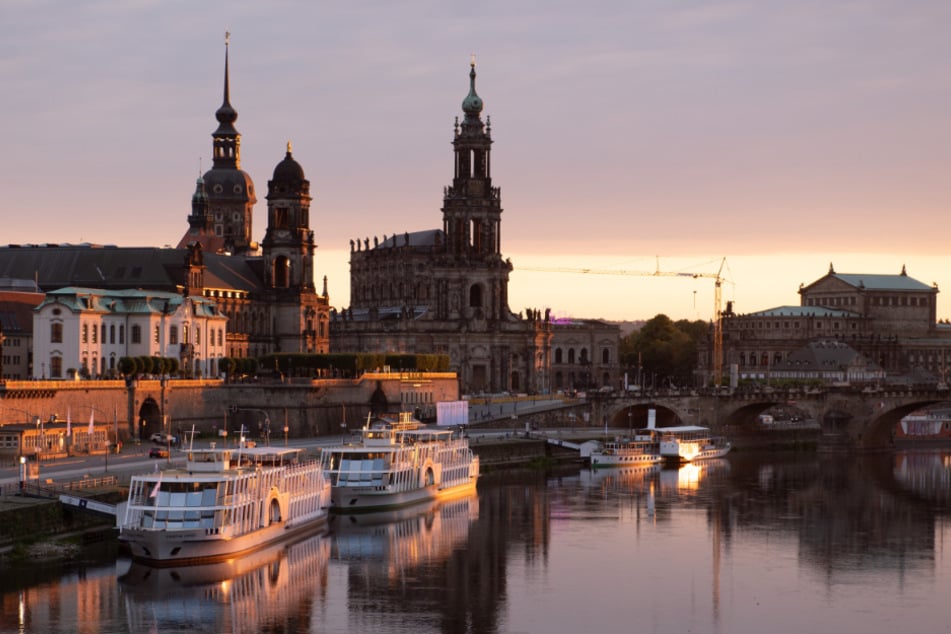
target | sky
[{"x": 762, "y": 140}]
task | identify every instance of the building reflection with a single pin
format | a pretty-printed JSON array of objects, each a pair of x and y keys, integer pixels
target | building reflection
[{"x": 275, "y": 589}]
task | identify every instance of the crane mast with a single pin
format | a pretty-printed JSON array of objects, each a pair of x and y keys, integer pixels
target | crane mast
[{"x": 717, "y": 360}]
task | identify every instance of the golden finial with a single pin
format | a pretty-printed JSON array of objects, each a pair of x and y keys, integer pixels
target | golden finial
[
  {"x": 288, "y": 147},
  {"x": 227, "y": 37},
  {"x": 472, "y": 59}
]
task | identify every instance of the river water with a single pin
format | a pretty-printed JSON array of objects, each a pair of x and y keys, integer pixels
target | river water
[{"x": 751, "y": 543}]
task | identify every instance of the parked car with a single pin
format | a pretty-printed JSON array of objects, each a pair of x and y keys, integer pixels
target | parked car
[
  {"x": 162, "y": 439},
  {"x": 158, "y": 452}
]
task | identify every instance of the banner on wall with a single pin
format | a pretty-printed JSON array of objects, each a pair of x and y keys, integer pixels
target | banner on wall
[{"x": 452, "y": 413}]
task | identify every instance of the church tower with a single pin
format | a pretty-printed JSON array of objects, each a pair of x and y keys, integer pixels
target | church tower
[
  {"x": 477, "y": 278},
  {"x": 230, "y": 190},
  {"x": 300, "y": 316},
  {"x": 288, "y": 244}
]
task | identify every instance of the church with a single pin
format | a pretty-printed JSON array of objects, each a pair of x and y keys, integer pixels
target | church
[
  {"x": 438, "y": 291},
  {"x": 445, "y": 290},
  {"x": 265, "y": 292}
]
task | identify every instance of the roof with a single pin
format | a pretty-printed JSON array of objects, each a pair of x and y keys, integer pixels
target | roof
[
  {"x": 125, "y": 301},
  {"x": 111, "y": 267},
  {"x": 875, "y": 282},
  {"x": 824, "y": 355},
  {"x": 803, "y": 311},
  {"x": 16, "y": 311},
  {"x": 425, "y": 238}
]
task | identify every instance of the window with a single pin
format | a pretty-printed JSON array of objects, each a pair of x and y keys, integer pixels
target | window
[
  {"x": 173, "y": 335},
  {"x": 156, "y": 335},
  {"x": 121, "y": 334},
  {"x": 136, "y": 334},
  {"x": 56, "y": 367},
  {"x": 197, "y": 336},
  {"x": 85, "y": 337},
  {"x": 56, "y": 333},
  {"x": 112, "y": 333},
  {"x": 475, "y": 296}
]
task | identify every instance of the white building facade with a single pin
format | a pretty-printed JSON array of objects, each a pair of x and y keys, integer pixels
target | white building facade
[{"x": 85, "y": 331}]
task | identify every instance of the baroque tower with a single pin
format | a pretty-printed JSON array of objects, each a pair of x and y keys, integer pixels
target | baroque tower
[
  {"x": 230, "y": 190},
  {"x": 475, "y": 278},
  {"x": 299, "y": 315}
]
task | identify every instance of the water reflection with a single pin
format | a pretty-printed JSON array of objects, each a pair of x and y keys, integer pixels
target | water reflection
[
  {"x": 406, "y": 565},
  {"x": 779, "y": 542},
  {"x": 277, "y": 588}
]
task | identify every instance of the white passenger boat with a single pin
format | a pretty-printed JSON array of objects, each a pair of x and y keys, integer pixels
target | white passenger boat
[
  {"x": 625, "y": 453},
  {"x": 397, "y": 463},
  {"x": 224, "y": 502},
  {"x": 689, "y": 443}
]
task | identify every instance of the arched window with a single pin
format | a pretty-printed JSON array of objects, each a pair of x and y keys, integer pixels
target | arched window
[
  {"x": 558, "y": 355},
  {"x": 475, "y": 296},
  {"x": 281, "y": 272},
  {"x": 571, "y": 355},
  {"x": 605, "y": 356},
  {"x": 56, "y": 366},
  {"x": 112, "y": 333}
]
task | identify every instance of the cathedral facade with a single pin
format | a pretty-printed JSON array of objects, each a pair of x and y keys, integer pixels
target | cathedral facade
[{"x": 445, "y": 291}]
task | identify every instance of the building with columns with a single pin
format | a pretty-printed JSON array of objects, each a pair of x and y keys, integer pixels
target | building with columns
[{"x": 889, "y": 319}]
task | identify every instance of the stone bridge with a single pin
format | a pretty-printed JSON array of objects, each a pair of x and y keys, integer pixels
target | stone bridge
[{"x": 849, "y": 418}]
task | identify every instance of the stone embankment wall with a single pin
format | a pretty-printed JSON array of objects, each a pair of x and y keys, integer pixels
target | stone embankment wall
[{"x": 306, "y": 407}]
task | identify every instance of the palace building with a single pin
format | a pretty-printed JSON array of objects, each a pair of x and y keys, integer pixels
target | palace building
[{"x": 890, "y": 320}]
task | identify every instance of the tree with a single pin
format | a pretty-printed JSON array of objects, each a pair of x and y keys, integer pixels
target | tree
[{"x": 665, "y": 351}]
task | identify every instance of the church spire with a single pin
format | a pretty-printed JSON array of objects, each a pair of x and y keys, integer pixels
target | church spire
[{"x": 227, "y": 140}]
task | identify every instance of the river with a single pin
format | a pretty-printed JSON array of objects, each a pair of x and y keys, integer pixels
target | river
[{"x": 778, "y": 542}]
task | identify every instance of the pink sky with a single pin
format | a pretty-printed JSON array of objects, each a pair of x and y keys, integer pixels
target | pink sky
[{"x": 779, "y": 135}]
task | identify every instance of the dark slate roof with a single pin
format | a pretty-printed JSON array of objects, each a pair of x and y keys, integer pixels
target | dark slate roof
[
  {"x": 111, "y": 267},
  {"x": 824, "y": 355},
  {"x": 803, "y": 311},
  {"x": 426, "y": 238}
]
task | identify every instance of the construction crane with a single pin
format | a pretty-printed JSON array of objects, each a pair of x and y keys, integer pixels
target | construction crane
[{"x": 717, "y": 277}]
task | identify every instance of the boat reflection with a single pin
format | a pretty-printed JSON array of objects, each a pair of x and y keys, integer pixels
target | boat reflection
[
  {"x": 271, "y": 588},
  {"x": 403, "y": 539},
  {"x": 688, "y": 477},
  {"x": 927, "y": 474},
  {"x": 629, "y": 479}
]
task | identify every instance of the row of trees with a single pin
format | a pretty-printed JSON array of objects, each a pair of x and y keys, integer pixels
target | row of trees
[
  {"x": 292, "y": 364},
  {"x": 134, "y": 366}
]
